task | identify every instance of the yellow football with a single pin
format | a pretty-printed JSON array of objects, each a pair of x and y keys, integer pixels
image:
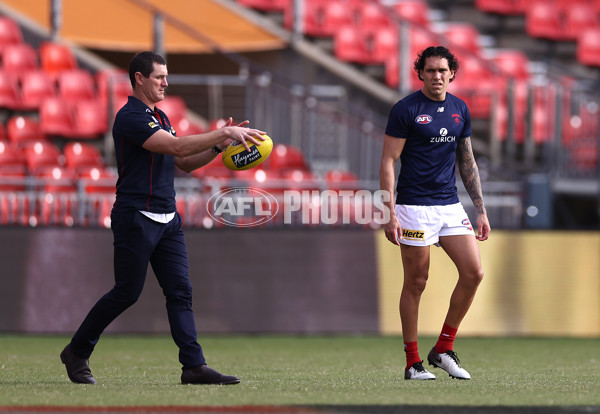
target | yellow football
[{"x": 237, "y": 158}]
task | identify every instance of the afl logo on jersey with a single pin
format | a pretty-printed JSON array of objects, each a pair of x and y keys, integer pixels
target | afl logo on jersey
[{"x": 423, "y": 119}]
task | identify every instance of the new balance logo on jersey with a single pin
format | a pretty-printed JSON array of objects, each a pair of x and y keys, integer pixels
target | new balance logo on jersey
[{"x": 413, "y": 234}]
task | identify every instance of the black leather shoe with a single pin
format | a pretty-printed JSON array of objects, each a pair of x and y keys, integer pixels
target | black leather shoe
[
  {"x": 78, "y": 369},
  {"x": 205, "y": 375}
]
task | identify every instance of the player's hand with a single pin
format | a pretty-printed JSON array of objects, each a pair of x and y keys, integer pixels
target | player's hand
[
  {"x": 242, "y": 134},
  {"x": 393, "y": 230},
  {"x": 483, "y": 227}
]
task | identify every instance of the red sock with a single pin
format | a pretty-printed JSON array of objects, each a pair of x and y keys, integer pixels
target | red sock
[
  {"x": 412, "y": 353},
  {"x": 445, "y": 342}
]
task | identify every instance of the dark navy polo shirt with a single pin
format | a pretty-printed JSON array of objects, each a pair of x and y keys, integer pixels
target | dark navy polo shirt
[
  {"x": 146, "y": 179},
  {"x": 432, "y": 130}
]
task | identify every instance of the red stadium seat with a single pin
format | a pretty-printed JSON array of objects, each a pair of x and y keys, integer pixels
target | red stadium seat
[
  {"x": 36, "y": 86},
  {"x": 286, "y": 157},
  {"x": 175, "y": 108},
  {"x": 321, "y": 18},
  {"x": 383, "y": 44},
  {"x": 56, "y": 118},
  {"x": 476, "y": 84},
  {"x": 19, "y": 58},
  {"x": 588, "y": 47},
  {"x": 40, "y": 154},
  {"x": 75, "y": 85},
  {"x": 97, "y": 179},
  {"x": 186, "y": 127},
  {"x": 542, "y": 20},
  {"x": 23, "y": 129},
  {"x": 9, "y": 91},
  {"x": 214, "y": 169},
  {"x": 89, "y": 119},
  {"x": 81, "y": 154},
  {"x": 504, "y": 7},
  {"x": 216, "y": 124},
  {"x": 10, "y": 32},
  {"x": 512, "y": 63},
  {"x": 415, "y": 11},
  {"x": 116, "y": 84},
  {"x": 349, "y": 45},
  {"x": 12, "y": 176},
  {"x": 341, "y": 180},
  {"x": 56, "y": 57},
  {"x": 369, "y": 15},
  {"x": 578, "y": 18},
  {"x": 56, "y": 179},
  {"x": 10, "y": 154},
  {"x": 463, "y": 38}
]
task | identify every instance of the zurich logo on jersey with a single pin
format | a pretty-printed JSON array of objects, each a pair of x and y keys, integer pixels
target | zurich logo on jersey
[{"x": 423, "y": 119}]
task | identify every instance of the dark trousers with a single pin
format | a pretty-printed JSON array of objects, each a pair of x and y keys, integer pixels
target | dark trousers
[{"x": 138, "y": 241}]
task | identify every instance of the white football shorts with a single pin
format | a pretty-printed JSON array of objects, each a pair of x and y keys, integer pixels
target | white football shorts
[{"x": 424, "y": 225}]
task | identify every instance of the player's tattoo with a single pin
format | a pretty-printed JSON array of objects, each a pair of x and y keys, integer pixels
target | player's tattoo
[{"x": 470, "y": 173}]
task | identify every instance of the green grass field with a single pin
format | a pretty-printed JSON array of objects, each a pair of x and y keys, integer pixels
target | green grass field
[{"x": 303, "y": 371}]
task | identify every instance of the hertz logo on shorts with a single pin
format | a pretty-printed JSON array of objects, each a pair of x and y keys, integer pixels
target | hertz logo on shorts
[{"x": 413, "y": 234}]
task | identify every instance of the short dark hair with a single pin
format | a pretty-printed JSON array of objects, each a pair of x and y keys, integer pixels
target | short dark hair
[
  {"x": 437, "y": 51},
  {"x": 143, "y": 62}
]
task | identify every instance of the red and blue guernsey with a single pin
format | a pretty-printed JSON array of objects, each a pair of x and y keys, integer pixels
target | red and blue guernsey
[
  {"x": 146, "y": 179},
  {"x": 432, "y": 130}
]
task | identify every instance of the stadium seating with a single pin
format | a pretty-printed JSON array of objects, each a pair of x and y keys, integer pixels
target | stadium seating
[
  {"x": 216, "y": 124},
  {"x": 341, "y": 180},
  {"x": 41, "y": 154},
  {"x": 349, "y": 46},
  {"x": 174, "y": 107},
  {"x": 369, "y": 16},
  {"x": 80, "y": 155},
  {"x": 23, "y": 129},
  {"x": 588, "y": 47},
  {"x": 19, "y": 58},
  {"x": 10, "y": 154},
  {"x": 512, "y": 63},
  {"x": 415, "y": 11},
  {"x": 56, "y": 58},
  {"x": 36, "y": 86},
  {"x": 286, "y": 157},
  {"x": 10, "y": 32},
  {"x": 504, "y": 7},
  {"x": 321, "y": 18},
  {"x": 463, "y": 38},
  {"x": 186, "y": 127},
  {"x": 76, "y": 85},
  {"x": 215, "y": 170},
  {"x": 9, "y": 91},
  {"x": 114, "y": 83},
  {"x": 542, "y": 20},
  {"x": 579, "y": 17},
  {"x": 54, "y": 179},
  {"x": 89, "y": 119},
  {"x": 56, "y": 118}
]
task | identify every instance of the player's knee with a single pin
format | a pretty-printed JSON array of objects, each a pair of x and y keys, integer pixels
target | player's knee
[
  {"x": 474, "y": 277},
  {"x": 416, "y": 285}
]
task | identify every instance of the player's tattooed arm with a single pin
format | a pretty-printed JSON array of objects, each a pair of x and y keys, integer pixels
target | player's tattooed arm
[{"x": 470, "y": 173}]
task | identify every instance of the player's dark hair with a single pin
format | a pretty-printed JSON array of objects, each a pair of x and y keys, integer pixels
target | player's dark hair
[
  {"x": 436, "y": 51},
  {"x": 143, "y": 62}
]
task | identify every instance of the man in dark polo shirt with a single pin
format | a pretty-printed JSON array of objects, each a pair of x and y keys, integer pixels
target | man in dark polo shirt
[{"x": 145, "y": 223}]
